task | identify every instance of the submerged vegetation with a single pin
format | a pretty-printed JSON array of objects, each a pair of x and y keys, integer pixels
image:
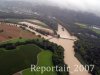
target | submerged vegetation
[
  {"x": 87, "y": 47},
  {"x": 89, "y": 50}
]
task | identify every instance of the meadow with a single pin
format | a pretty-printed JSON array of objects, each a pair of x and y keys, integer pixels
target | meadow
[
  {"x": 44, "y": 60},
  {"x": 12, "y": 61}
]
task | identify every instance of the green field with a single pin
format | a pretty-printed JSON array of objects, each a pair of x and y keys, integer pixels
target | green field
[
  {"x": 12, "y": 61},
  {"x": 18, "y": 55},
  {"x": 96, "y": 30},
  {"x": 86, "y": 26},
  {"x": 44, "y": 59},
  {"x": 81, "y": 25},
  {"x": 13, "y": 41}
]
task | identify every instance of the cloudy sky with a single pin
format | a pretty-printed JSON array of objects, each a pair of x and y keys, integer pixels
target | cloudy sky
[{"x": 83, "y": 5}]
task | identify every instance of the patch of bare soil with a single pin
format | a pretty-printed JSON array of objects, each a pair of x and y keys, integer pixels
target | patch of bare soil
[{"x": 12, "y": 32}]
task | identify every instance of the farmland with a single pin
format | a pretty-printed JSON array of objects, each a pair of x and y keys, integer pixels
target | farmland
[
  {"x": 88, "y": 27},
  {"x": 11, "y": 32}
]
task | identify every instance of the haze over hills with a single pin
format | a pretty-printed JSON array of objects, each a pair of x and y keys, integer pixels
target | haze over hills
[{"x": 27, "y": 8}]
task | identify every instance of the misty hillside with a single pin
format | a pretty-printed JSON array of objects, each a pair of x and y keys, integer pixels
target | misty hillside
[{"x": 25, "y": 9}]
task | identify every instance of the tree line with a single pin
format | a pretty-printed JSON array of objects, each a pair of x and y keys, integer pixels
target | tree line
[{"x": 58, "y": 51}]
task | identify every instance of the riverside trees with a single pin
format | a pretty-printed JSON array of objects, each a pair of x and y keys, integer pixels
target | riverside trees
[{"x": 58, "y": 51}]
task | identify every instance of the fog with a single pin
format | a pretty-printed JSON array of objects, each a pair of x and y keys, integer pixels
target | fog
[{"x": 78, "y": 5}]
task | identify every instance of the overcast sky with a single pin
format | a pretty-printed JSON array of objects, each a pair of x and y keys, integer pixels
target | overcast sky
[{"x": 83, "y": 5}]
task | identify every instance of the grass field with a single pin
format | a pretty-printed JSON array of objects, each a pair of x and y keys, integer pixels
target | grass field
[
  {"x": 14, "y": 40},
  {"x": 96, "y": 30},
  {"x": 85, "y": 26},
  {"x": 44, "y": 59},
  {"x": 12, "y": 61},
  {"x": 81, "y": 25}
]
